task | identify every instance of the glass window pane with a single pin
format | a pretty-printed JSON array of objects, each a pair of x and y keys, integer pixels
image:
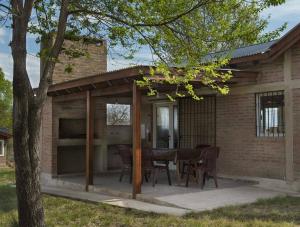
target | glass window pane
[
  {"x": 162, "y": 127},
  {"x": 175, "y": 119},
  {"x": 118, "y": 114}
]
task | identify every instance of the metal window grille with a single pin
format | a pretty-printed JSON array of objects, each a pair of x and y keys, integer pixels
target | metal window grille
[
  {"x": 270, "y": 114},
  {"x": 197, "y": 122}
]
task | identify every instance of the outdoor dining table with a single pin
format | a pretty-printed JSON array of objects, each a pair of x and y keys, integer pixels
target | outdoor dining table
[{"x": 166, "y": 156}]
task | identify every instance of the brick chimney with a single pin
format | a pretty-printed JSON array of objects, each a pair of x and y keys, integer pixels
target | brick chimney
[{"x": 92, "y": 63}]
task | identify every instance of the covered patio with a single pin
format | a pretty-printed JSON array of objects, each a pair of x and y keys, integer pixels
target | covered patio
[
  {"x": 175, "y": 199},
  {"x": 89, "y": 96}
]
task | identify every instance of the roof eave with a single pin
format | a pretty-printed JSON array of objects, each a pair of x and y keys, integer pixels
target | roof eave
[{"x": 274, "y": 51}]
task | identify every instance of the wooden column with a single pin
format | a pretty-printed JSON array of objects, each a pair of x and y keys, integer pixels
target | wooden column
[
  {"x": 90, "y": 109},
  {"x": 136, "y": 141}
]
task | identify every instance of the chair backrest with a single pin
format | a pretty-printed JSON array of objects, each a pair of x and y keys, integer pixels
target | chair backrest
[
  {"x": 125, "y": 152},
  {"x": 210, "y": 155},
  {"x": 147, "y": 157},
  {"x": 187, "y": 154},
  {"x": 201, "y": 146}
]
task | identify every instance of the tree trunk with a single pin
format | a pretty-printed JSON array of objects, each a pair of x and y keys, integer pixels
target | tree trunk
[
  {"x": 26, "y": 126},
  {"x": 26, "y": 133}
]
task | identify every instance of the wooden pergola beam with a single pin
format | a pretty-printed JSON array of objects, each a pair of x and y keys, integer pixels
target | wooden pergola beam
[
  {"x": 103, "y": 78},
  {"x": 90, "y": 109},
  {"x": 114, "y": 90},
  {"x": 137, "y": 146}
]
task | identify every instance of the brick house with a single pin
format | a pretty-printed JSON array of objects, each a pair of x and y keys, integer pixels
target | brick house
[
  {"x": 4, "y": 136},
  {"x": 255, "y": 126}
]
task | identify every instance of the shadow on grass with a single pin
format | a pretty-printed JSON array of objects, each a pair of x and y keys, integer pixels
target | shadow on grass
[
  {"x": 8, "y": 200},
  {"x": 280, "y": 209}
]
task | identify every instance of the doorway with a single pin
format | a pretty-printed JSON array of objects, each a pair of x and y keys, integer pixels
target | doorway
[{"x": 165, "y": 127}]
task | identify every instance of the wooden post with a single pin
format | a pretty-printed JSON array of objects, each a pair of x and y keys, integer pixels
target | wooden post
[
  {"x": 136, "y": 141},
  {"x": 89, "y": 139}
]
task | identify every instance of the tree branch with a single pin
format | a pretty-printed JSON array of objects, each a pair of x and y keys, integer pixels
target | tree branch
[
  {"x": 47, "y": 71},
  {"x": 160, "y": 23},
  {"x": 5, "y": 7}
]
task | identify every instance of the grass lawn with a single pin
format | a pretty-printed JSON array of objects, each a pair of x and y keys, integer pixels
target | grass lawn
[{"x": 281, "y": 211}]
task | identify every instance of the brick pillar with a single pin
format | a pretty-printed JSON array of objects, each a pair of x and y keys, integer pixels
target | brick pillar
[
  {"x": 289, "y": 124},
  {"x": 93, "y": 61}
]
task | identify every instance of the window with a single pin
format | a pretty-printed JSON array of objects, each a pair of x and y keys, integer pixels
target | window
[
  {"x": 270, "y": 114},
  {"x": 1, "y": 147},
  {"x": 118, "y": 114}
]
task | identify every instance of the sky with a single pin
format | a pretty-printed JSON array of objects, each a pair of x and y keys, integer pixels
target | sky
[{"x": 288, "y": 12}]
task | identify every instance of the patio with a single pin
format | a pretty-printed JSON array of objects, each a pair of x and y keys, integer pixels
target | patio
[
  {"x": 192, "y": 198},
  {"x": 83, "y": 135}
]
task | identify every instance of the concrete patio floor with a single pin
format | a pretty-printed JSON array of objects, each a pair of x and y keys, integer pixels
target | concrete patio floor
[
  {"x": 186, "y": 199},
  {"x": 110, "y": 181}
]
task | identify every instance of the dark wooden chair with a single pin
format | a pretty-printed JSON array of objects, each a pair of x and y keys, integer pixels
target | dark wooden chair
[
  {"x": 147, "y": 164},
  {"x": 125, "y": 152},
  {"x": 190, "y": 154},
  {"x": 209, "y": 166},
  {"x": 205, "y": 166}
]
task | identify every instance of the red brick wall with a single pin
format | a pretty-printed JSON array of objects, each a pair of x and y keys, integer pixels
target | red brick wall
[{"x": 242, "y": 153}]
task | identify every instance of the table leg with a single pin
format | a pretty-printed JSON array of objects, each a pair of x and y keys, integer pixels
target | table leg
[{"x": 178, "y": 178}]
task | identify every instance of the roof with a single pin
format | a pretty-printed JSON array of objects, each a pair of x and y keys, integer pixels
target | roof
[
  {"x": 267, "y": 51},
  {"x": 262, "y": 51},
  {"x": 245, "y": 51}
]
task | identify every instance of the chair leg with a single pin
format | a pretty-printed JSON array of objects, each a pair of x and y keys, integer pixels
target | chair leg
[
  {"x": 182, "y": 171},
  {"x": 197, "y": 175},
  {"x": 130, "y": 178},
  {"x": 188, "y": 175},
  {"x": 215, "y": 179},
  {"x": 122, "y": 174},
  {"x": 154, "y": 180},
  {"x": 168, "y": 174},
  {"x": 203, "y": 179},
  {"x": 142, "y": 177},
  {"x": 146, "y": 176}
]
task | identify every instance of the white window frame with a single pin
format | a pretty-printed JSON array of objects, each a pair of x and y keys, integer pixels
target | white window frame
[
  {"x": 2, "y": 153},
  {"x": 171, "y": 122}
]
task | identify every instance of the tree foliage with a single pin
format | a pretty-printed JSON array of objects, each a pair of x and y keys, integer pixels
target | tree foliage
[
  {"x": 178, "y": 32},
  {"x": 5, "y": 102}
]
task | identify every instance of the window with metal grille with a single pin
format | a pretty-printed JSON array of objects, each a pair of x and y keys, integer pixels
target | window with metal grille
[{"x": 270, "y": 114}]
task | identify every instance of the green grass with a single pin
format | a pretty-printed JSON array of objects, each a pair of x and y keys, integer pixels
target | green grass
[{"x": 281, "y": 211}]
